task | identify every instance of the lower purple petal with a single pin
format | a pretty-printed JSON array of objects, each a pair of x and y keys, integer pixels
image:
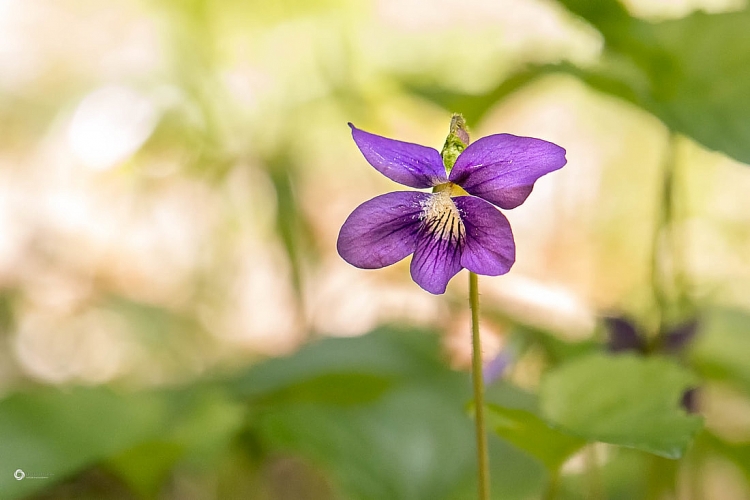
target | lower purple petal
[
  {"x": 437, "y": 257},
  {"x": 382, "y": 231},
  {"x": 489, "y": 247}
]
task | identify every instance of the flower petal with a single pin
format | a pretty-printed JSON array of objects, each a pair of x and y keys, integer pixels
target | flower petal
[
  {"x": 489, "y": 247},
  {"x": 623, "y": 335},
  {"x": 502, "y": 168},
  {"x": 382, "y": 231},
  {"x": 406, "y": 163},
  {"x": 437, "y": 257},
  {"x": 681, "y": 336}
]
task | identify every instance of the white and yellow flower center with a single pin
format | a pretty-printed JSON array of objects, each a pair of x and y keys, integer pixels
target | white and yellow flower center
[{"x": 441, "y": 216}]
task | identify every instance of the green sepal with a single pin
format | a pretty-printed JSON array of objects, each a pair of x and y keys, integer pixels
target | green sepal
[{"x": 456, "y": 142}]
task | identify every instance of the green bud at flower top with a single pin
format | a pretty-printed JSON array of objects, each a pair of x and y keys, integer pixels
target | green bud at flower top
[{"x": 457, "y": 140}]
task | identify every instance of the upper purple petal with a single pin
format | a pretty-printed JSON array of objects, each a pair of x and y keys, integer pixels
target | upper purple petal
[
  {"x": 502, "y": 168},
  {"x": 383, "y": 230},
  {"x": 406, "y": 163},
  {"x": 489, "y": 247},
  {"x": 437, "y": 257}
]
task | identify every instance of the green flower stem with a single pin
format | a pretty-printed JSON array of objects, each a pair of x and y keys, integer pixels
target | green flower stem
[{"x": 483, "y": 460}]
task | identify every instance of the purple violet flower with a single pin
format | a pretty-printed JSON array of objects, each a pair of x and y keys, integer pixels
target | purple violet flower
[{"x": 457, "y": 225}]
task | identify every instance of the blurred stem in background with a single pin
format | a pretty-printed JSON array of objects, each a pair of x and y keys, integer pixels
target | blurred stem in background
[
  {"x": 667, "y": 280},
  {"x": 593, "y": 474},
  {"x": 291, "y": 225},
  {"x": 662, "y": 478},
  {"x": 550, "y": 493}
]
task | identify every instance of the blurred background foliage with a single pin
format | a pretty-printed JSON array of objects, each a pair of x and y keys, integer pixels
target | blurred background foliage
[{"x": 175, "y": 321}]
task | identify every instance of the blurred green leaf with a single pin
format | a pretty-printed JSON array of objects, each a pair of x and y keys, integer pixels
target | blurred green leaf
[
  {"x": 692, "y": 73},
  {"x": 373, "y": 362},
  {"x": 507, "y": 395},
  {"x": 414, "y": 441},
  {"x": 146, "y": 466},
  {"x": 333, "y": 388},
  {"x": 202, "y": 425},
  {"x": 533, "y": 435},
  {"x": 139, "y": 435},
  {"x": 205, "y": 420},
  {"x": 55, "y": 433},
  {"x": 625, "y": 400},
  {"x": 475, "y": 106},
  {"x": 413, "y": 445}
]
